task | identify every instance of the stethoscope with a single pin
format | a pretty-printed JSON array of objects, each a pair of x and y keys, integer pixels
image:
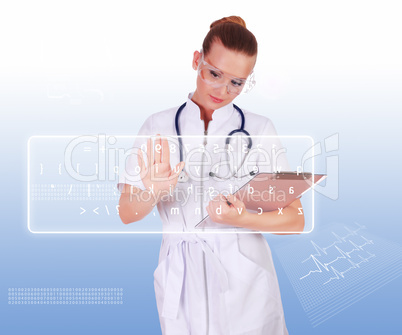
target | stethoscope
[{"x": 184, "y": 177}]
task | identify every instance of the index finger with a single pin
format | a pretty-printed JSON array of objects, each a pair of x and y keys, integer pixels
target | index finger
[
  {"x": 165, "y": 151},
  {"x": 149, "y": 151},
  {"x": 219, "y": 197},
  {"x": 157, "y": 149}
]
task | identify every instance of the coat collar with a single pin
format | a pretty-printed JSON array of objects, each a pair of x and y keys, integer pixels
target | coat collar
[{"x": 191, "y": 123}]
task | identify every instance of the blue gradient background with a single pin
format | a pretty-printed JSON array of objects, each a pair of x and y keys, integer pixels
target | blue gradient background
[{"x": 103, "y": 67}]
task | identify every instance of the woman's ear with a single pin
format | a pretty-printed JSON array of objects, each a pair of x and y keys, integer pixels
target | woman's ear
[{"x": 196, "y": 59}]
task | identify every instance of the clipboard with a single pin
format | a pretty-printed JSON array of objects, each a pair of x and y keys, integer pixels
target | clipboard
[{"x": 269, "y": 191}]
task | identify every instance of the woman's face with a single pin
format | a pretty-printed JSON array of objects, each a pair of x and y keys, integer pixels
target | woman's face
[{"x": 231, "y": 63}]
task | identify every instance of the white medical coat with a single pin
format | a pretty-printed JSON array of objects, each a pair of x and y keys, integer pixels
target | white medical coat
[{"x": 211, "y": 283}]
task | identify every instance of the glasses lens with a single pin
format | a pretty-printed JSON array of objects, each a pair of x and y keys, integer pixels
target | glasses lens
[
  {"x": 216, "y": 79},
  {"x": 212, "y": 77},
  {"x": 236, "y": 86}
]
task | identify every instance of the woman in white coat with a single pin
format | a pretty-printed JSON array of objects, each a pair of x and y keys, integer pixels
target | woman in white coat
[{"x": 210, "y": 283}]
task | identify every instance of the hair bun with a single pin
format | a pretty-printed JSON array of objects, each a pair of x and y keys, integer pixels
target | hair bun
[
  {"x": 231, "y": 19},
  {"x": 231, "y": 31}
]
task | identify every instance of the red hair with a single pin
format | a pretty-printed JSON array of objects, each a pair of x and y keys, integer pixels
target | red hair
[{"x": 233, "y": 34}]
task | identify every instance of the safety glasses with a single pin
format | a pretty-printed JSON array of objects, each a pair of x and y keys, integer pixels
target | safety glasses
[{"x": 217, "y": 78}]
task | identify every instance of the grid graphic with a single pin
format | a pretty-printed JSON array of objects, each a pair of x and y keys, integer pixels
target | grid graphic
[
  {"x": 65, "y": 296},
  {"x": 338, "y": 267}
]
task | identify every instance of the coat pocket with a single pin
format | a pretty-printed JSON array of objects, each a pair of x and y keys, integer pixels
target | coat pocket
[
  {"x": 260, "y": 276},
  {"x": 253, "y": 299}
]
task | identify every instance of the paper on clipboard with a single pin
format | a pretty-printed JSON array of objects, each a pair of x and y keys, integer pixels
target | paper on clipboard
[{"x": 269, "y": 191}]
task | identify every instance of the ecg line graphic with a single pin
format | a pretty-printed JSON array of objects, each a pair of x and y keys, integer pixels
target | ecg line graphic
[
  {"x": 347, "y": 264},
  {"x": 320, "y": 251}
]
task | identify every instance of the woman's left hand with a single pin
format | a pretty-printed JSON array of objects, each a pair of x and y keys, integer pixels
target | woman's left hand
[{"x": 235, "y": 214}]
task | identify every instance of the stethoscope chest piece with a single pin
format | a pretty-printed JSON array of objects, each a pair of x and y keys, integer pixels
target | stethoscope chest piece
[{"x": 183, "y": 177}]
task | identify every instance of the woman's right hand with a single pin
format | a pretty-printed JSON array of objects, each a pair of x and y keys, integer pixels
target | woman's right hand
[{"x": 158, "y": 177}]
